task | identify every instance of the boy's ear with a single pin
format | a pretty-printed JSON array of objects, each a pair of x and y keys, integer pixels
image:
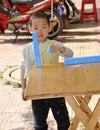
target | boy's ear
[{"x": 50, "y": 27}]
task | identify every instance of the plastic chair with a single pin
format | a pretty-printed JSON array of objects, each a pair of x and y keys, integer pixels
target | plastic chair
[{"x": 87, "y": 15}]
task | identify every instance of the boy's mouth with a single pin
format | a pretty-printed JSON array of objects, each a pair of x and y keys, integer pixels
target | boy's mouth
[{"x": 41, "y": 35}]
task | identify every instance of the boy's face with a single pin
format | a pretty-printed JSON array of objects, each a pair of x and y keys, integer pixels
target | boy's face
[{"x": 41, "y": 26}]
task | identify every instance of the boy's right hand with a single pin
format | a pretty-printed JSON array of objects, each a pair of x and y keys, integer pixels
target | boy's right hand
[{"x": 23, "y": 95}]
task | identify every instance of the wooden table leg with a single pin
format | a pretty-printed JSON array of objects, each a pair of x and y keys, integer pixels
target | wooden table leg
[
  {"x": 78, "y": 111},
  {"x": 85, "y": 108},
  {"x": 76, "y": 120},
  {"x": 94, "y": 118},
  {"x": 88, "y": 118}
]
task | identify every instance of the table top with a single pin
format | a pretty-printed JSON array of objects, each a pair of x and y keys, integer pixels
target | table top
[{"x": 56, "y": 80}]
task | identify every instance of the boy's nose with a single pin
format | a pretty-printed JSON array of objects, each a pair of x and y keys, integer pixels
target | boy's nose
[{"x": 39, "y": 31}]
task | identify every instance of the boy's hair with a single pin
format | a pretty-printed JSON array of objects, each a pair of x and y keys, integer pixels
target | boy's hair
[{"x": 39, "y": 15}]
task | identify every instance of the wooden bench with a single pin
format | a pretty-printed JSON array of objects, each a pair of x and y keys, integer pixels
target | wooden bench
[{"x": 78, "y": 83}]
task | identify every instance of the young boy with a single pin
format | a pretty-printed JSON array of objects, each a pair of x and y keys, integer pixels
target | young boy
[{"x": 39, "y": 23}]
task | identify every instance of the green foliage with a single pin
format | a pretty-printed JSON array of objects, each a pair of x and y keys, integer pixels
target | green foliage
[
  {"x": 7, "y": 82},
  {"x": 1, "y": 74},
  {"x": 17, "y": 85}
]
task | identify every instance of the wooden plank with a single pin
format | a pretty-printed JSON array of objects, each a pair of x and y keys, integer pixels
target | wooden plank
[
  {"x": 92, "y": 78},
  {"x": 94, "y": 118},
  {"x": 76, "y": 120},
  {"x": 78, "y": 111},
  {"x": 84, "y": 106},
  {"x": 74, "y": 123},
  {"x": 98, "y": 126},
  {"x": 90, "y": 123},
  {"x": 87, "y": 98},
  {"x": 55, "y": 80}
]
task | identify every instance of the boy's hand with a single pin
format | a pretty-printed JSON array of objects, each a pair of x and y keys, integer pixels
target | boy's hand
[
  {"x": 23, "y": 95},
  {"x": 56, "y": 48}
]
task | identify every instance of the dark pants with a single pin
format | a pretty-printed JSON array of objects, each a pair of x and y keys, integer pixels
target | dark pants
[{"x": 40, "y": 111}]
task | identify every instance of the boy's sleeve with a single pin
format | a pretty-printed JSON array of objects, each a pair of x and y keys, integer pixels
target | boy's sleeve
[
  {"x": 68, "y": 52},
  {"x": 22, "y": 62}
]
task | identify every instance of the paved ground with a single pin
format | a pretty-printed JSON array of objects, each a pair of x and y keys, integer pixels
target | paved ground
[{"x": 16, "y": 114}]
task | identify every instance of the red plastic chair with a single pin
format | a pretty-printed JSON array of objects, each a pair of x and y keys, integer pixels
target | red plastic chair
[{"x": 85, "y": 15}]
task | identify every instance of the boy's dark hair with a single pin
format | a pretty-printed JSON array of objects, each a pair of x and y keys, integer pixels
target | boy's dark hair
[{"x": 39, "y": 15}]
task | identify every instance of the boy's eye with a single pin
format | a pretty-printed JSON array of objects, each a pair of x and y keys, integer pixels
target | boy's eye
[
  {"x": 35, "y": 28},
  {"x": 43, "y": 27}
]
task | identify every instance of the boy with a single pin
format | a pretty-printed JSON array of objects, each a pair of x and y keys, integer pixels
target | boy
[{"x": 39, "y": 23}]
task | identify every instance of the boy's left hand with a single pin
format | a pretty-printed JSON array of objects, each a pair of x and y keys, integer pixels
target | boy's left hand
[{"x": 56, "y": 48}]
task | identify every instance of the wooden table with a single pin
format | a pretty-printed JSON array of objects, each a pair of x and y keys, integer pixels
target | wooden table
[{"x": 72, "y": 82}]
